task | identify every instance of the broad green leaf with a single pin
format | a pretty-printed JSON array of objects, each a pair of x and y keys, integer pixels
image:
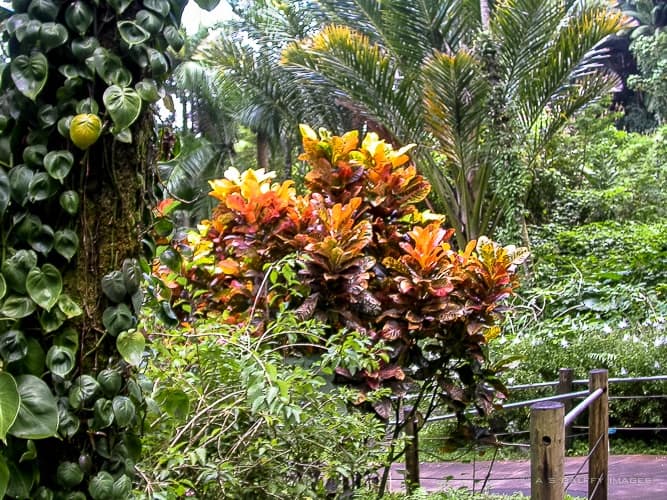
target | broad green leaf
[
  {"x": 148, "y": 90},
  {"x": 58, "y": 164},
  {"x": 15, "y": 22},
  {"x": 60, "y": 360},
  {"x": 131, "y": 345},
  {"x": 117, "y": 319},
  {"x": 26, "y": 226},
  {"x": 30, "y": 73},
  {"x": 124, "y": 136},
  {"x": 9, "y": 408},
  {"x": 69, "y": 201},
  {"x": 5, "y": 192},
  {"x": 87, "y": 106},
  {"x": 19, "y": 182},
  {"x": 17, "y": 307},
  {"x": 51, "y": 320},
  {"x": 68, "y": 338},
  {"x": 83, "y": 389},
  {"x": 122, "y": 487},
  {"x": 110, "y": 68},
  {"x": 66, "y": 243},
  {"x": 131, "y": 33},
  {"x": 68, "y": 424},
  {"x": 34, "y": 155},
  {"x": 44, "y": 285},
  {"x": 34, "y": 361},
  {"x": 79, "y": 16},
  {"x": 30, "y": 453},
  {"x": 28, "y": 33},
  {"x": 113, "y": 286},
  {"x": 16, "y": 268},
  {"x": 3, "y": 286},
  {"x": 42, "y": 187},
  {"x": 160, "y": 7},
  {"x": 103, "y": 413},
  {"x": 101, "y": 486},
  {"x": 131, "y": 275},
  {"x": 158, "y": 63},
  {"x": 110, "y": 381},
  {"x": 83, "y": 48},
  {"x": 44, "y": 10},
  {"x": 149, "y": 21},
  {"x": 69, "y": 307},
  {"x": 208, "y": 4},
  {"x": 38, "y": 412},
  {"x": 47, "y": 115},
  {"x": 63, "y": 125},
  {"x": 69, "y": 474},
  {"x": 52, "y": 35},
  {"x": 13, "y": 346},
  {"x": 123, "y": 104},
  {"x": 174, "y": 38},
  {"x": 123, "y": 410},
  {"x": 174, "y": 401},
  {"x": 42, "y": 240}
]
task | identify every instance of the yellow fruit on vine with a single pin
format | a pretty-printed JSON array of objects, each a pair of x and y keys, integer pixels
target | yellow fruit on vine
[{"x": 84, "y": 130}]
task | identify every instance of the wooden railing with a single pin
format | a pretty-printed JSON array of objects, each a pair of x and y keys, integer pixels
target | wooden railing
[{"x": 550, "y": 419}]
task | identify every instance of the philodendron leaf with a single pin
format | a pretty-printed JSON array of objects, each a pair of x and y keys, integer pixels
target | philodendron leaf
[
  {"x": 117, "y": 319},
  {"x": 38, "y": 412},
  {"x": 148, "y": 90},
  {"x": 9, "y": 403},
  {"x": 44, "y": 285},
  {"x": 113, "y": 286},
  {"x": 208, "y": 4},
  {"x": 15, "y": 269},
  {"x": 131, "y": 33},
  {"x": 158, "y": 6},
  {"x": 123, "y": 410},
  {"x": 60, "y": 360},
  {"x": 3, "y": 286},
  {"x": 52, "y": 35},
  {"x": 79, "y": 17},
  {"x": 66, "y": 243},
  {"x": 68, "y": 307},
  {"x": 131, "y": 345},
  {"x": 44, "y": 10},
  {"x": 120, "y": 5},
  {"x": 19, "y": 182},
  {"x": 123, "y": 104},
  {"x": 174, "y": 38},
  {"x": 58, "y": 164},
  {"x": 17, "y": 307},
  {"x": 29, "y": 74}
]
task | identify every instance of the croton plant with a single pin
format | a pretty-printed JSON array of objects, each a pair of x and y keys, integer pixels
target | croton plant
[{"x": 370, "y": 261}]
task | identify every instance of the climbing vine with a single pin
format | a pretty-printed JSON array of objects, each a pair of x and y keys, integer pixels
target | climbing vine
[{"x": 75, "y": 130}]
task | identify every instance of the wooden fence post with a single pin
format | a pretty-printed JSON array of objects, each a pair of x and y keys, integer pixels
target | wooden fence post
[
  {"x": 411, "y": 450},
  {"x": 598, "y": 437},
  {"x": 547, "y": 451},
  {"x": 565, "y": 378}
]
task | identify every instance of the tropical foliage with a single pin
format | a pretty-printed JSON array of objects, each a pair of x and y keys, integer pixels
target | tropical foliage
[
  {"x": 487, "y": 99},
  {"x": 356, "y": 253}
]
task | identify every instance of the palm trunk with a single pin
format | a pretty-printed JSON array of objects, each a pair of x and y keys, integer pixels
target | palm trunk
[
  {"x": 263, "y": 151},
  {"x": 485, "y": 14}
]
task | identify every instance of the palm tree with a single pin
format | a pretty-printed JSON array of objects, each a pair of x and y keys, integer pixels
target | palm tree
[{"x": 481, "y": 102}]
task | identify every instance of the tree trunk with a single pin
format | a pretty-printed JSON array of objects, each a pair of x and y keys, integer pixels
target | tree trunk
[
  {"x": 485, "y": 14},
  {"x": 263, "y": 151}
]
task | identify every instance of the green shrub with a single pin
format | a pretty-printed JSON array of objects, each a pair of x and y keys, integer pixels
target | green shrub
[{"x": 232, "y": 415}]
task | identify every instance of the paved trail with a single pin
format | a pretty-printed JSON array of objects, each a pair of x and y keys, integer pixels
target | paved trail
[{"x": 631, "y": 477}]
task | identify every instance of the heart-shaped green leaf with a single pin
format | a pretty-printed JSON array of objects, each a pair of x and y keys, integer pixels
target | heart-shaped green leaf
[
  {"x": 131, "y": 345},
  {"x": 79, "y": 17},
  {"x": 208, "y": 4},
  {"x": 38, "y": 412},
  {"x": 87, "y": 106},
  {"x": 47, "y": 115},
  {"x": 34, "y": 360},
  {"x": 160, "y": 7},
  {"x": 149, "y": 21},
  {"x": 131, "y": 33},
  {"x": 44, "y": 285},
  {"x": 9, "y": 403},
  {"x": 83, "y": 389},
  {"x": 34, "y": 155},
  {"x": 117, "y": 319},
  {"x": 69, "y": 201},
  {"x": 44, "y": 10},
  {"x": 17, "y": 307},
  {"x": 124, "y": 136},
  {"x": 58, "y": 164},
  {"x": 15, "y": 22},
  {"x": 123, "y": 104},
  {"x": 13, "y": 346},
  {"x": 16, "y": 268},
  {"x": 42, "y": 241},
  {"x": 102, "y": 414},
  {"x": 52, "y": 35},
  {"x": 60, "y": 360},
  {"x": 19, "y": 182},
  {"x": 68, "y": 338},
  {"x": 51, "y": 320},
  {"x": 158, "y": 62},
  {"x": 42, "y": 187},
  {"x": 69, "y": 308},
  {"x": 30, "y": 73},
  {"x": 131, "y": 275},
  {"x": 124, "y": 410},
  {"x": 28, "y": 33},
  {"x": 113, "y": 286},
  {"x": 82, "y": 48},
  {"x": 148, "y": 90},
  {"x": 174, "y": 38},
  {"x": 110, "y": 68},
  {"x": 66, "y": 243}
]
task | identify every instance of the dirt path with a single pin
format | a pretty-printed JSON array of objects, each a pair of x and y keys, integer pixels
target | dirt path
[{"x": 631, "y": 477}]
